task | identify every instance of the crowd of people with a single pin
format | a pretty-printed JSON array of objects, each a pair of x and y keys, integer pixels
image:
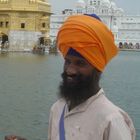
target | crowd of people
[{"x": 130, "y": 45}]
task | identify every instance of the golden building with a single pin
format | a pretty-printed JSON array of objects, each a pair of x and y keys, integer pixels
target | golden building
[{"x": 24, "y": 21}]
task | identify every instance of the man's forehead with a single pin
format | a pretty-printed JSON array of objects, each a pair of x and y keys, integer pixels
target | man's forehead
[
  {"x": 76, "y": 59},
  {"x": 73, "y": 54},
  {"x": 68, "y": 56}
]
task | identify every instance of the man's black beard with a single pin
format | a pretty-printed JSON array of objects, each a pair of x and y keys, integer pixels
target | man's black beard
[{"x": 85, "y": 87}]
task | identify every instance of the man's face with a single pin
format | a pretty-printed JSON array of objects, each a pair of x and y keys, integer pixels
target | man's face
[
  {"x": 76, "y": 70},
  {"x": 79, "y": 79}
]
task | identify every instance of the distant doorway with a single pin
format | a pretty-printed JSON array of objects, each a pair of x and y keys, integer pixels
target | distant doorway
[{"x": 4, "y": 41}]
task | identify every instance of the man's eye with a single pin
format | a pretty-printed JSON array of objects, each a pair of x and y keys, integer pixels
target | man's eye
[
  {"x": 67, "y": 62},
  {"x": 81, "y": 63}
]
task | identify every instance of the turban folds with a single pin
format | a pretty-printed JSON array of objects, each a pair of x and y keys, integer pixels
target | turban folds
[{"x": 89, "y": 37}]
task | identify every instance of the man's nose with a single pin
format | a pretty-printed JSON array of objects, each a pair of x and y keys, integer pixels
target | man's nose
[{"x": 71, "y": 69}]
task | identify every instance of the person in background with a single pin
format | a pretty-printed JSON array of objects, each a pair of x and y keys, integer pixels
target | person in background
[
  {"x": 83, "y": 112},
  {"x": 14, "y": 137},
  {"x": 4, "y": 38}
]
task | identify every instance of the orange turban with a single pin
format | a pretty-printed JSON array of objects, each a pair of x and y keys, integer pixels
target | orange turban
[{"x": 89, "y": 37}]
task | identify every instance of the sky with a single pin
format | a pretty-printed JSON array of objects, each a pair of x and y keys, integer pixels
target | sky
[{"x": 131, "y": 7}]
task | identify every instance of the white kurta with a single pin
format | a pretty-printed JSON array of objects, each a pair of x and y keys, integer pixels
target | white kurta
[{"x": 95, "y": 119}]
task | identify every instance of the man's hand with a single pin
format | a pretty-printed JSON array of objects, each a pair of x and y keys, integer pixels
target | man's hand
[{"x": 13, "y": 137}]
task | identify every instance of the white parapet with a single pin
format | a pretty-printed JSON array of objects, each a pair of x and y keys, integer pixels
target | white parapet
[{"x": 22, "y": 40}]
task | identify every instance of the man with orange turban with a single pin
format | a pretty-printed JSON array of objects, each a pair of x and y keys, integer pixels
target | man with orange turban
[
  {"x": 89, "y": 37},
  {"x": 83, "y": 112}
]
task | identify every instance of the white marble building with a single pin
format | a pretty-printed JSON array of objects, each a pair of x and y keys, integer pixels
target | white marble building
[{"x": 126, "y": 28}]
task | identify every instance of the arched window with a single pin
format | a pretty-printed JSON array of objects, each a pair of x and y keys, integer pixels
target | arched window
[
  {"x": 43, "y": 25},
  {"x": 22, "y": 25},
  {"x": 102, "y": 11},
  {"x": 94, "y": 2},
  {"x": 1, "y": 24},
  {"x": 91, "y": 2},
  {"x": 6, "y": 24}
]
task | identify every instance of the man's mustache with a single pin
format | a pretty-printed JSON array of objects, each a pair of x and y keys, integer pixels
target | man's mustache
[{"x": 64, "y": 75}]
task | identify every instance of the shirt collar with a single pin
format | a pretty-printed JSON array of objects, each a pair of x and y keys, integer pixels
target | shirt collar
[{"x": 82, "y": 107}]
